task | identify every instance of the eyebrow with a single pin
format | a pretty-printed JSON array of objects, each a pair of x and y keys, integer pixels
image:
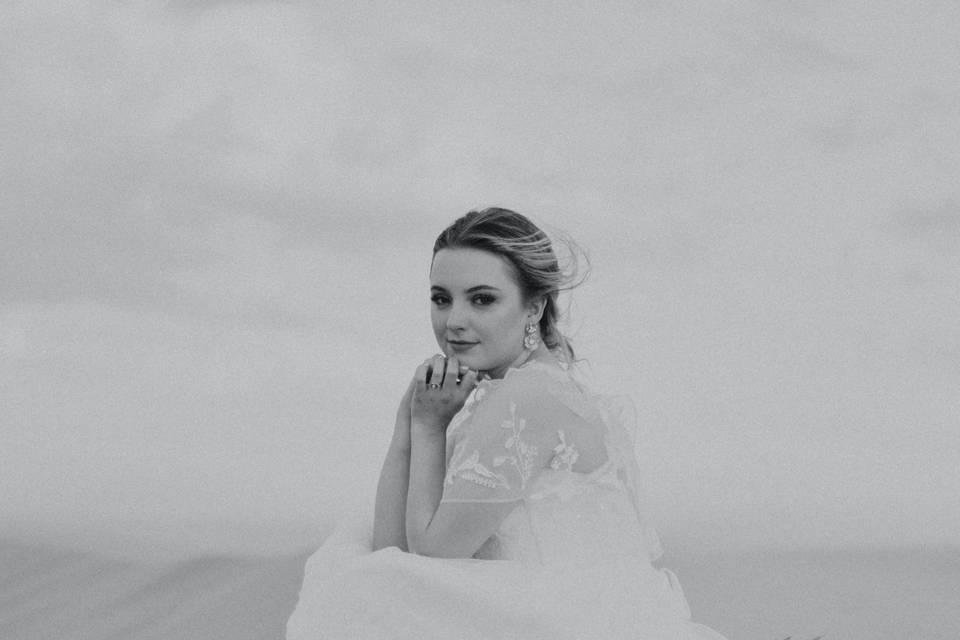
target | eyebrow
[{"x": 480, "y": 287}]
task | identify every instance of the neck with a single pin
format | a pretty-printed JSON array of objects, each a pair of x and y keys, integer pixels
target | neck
[{"x": 540, "y": 353}]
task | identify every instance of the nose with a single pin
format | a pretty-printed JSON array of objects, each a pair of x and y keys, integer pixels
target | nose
[{"x": 457, "y": 318}]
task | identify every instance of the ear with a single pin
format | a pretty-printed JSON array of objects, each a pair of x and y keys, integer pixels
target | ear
[{"x": 535, "y": 309}]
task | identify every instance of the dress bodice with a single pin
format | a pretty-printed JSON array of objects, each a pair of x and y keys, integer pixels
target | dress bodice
[{"x": 563, "y": 454}]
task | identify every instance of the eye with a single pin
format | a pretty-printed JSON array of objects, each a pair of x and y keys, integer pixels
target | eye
[
  {"x": 439, "y": 299},
  {"x": 483, "y": 299}
]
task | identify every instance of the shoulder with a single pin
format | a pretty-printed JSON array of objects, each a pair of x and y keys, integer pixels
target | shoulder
[
  {"x": 534, "y": 388},
  {"x": 531, "y": 379}
]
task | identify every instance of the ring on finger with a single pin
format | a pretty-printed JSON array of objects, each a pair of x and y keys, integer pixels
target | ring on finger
[
  {"x": 433, "y": 385},
  {"x": 439, "y": 369}
]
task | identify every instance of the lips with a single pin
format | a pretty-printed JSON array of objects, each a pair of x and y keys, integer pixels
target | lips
[{"x": 460, "y": 345}]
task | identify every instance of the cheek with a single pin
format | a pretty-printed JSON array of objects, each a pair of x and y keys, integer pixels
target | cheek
[
  {"x": 504, "y": 330},
  {"x": 437, "y": 321}
]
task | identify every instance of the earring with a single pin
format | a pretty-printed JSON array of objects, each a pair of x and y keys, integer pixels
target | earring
[{"x": 531, "y": 339}]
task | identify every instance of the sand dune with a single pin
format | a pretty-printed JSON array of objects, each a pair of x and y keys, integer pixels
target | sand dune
[
  {"x": 891, "y": 594},
  {"x": 47, "y": 593}
]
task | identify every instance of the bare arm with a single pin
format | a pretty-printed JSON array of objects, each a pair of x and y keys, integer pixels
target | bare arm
[
  {"x": 427, "y": 469},
  {"x": 443, "y": 530},
  {"x": 389, "y": 524},
  {"x": 431, "y": 412}
]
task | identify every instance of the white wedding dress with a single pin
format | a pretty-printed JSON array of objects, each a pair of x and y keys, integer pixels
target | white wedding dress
[{"x": 572, "y": 560}]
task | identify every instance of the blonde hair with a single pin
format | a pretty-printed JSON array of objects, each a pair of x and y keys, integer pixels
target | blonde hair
[{"x": 530, "y": 252}]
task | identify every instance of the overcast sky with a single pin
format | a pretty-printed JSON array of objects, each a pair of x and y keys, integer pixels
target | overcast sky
[{"x": 216, "y": 221}]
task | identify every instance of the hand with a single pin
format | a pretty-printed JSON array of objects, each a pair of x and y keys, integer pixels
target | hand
[{"x": 437, "y": 393}]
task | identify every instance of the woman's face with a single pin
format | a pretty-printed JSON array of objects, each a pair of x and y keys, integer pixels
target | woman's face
[{"x": 477, "y": 309}]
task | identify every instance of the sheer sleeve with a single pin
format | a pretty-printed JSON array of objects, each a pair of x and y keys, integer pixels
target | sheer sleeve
[
  {"x": 507, "y": 436},
  {"x": 619, "y": 416},
  {"x": 534, "y": 423}
]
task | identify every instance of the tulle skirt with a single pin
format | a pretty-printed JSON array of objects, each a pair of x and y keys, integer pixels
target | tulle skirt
[{"x": 351, "y": 592}]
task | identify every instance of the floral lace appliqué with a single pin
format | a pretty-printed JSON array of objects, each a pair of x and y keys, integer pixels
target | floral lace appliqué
[
  {"x": 564, "y": 454},
  {"x": 522, "y": 455},
  {"x": 471, "y": 469}
]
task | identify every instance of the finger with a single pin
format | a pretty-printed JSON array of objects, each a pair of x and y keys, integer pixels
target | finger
[
  {"x": 439, "y": 365},
  {"x": 421, "y": 375},
  {"x": 452, "y": 374},
  {"x": 469, "y": 379},
  {"x": 428, "y": 363}
]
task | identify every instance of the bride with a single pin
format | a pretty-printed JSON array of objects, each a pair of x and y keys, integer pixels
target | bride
[{"x": 507, "y": 505}]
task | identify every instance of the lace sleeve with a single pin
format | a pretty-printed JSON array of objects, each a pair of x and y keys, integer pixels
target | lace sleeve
[{"x": 510, "y": 433}]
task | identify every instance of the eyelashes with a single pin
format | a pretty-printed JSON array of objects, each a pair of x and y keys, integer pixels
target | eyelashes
[{"x": 480, "y": 300}]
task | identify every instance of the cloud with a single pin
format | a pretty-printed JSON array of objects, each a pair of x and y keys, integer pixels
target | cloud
[
  {"x": 217, "y": 218},
  {"x": 940, "y": 221},
  {"x": 116, "y": 418},
  {"x": 135, "y": 134}
]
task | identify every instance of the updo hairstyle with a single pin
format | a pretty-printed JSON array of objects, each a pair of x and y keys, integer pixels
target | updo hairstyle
[{"x": 530, "y": 252}]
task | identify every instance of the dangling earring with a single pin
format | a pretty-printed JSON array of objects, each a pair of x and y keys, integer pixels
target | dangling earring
[{"x": 531, "y": 339}]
